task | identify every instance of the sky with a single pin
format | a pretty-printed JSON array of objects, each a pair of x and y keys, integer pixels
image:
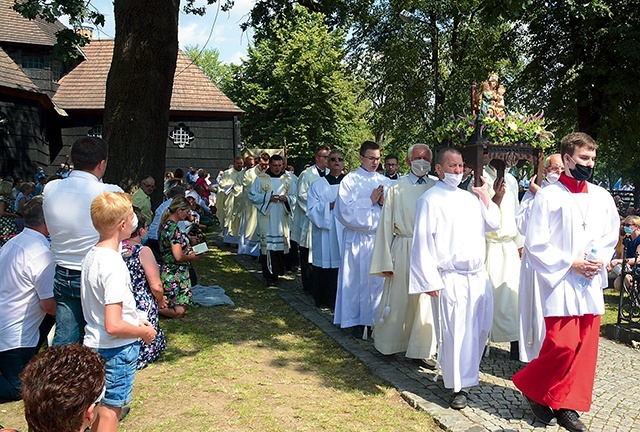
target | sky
[{"x": 223, "y": 32}]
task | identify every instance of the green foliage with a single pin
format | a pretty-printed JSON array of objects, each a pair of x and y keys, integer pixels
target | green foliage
[
  {"x": 516, "y": 128},
  {"x": 297, "y": 92},
  {"x": 582, "y": 69},
  {"x": 208, "y": 60}
]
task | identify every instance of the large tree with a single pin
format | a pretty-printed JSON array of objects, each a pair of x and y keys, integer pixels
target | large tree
[
  {"x": 296, "y": 90},
  {"x": 139, "y": 85}
]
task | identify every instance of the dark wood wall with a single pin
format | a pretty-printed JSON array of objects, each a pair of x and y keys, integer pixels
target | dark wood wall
[
  {"x": 24, "y": 142},
  {"x": 213, "y": 147}
]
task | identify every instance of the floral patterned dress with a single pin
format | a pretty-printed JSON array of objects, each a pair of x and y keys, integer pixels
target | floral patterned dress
[
  {"x": 146, "y": 303},
  {"x": 8, "y": 226},
  {"x": 175, "y": 276}
]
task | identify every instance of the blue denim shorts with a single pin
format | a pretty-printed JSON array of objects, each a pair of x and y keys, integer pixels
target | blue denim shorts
[{"x": 120, "y": 372}]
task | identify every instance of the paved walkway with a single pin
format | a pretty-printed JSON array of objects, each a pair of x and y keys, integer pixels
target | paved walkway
[{"x": 495, "y": 404}]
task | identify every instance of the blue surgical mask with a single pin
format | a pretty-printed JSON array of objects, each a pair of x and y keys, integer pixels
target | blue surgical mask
[{"x": 628, "y": 230}]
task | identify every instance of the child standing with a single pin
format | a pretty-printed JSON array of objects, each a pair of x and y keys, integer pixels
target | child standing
[{"x": 113, "y": 327}]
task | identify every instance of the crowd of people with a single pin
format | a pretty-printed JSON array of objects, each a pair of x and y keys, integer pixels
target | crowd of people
[
  {"x": 433, "y": 266},
  {"x": 437, "y": 267}
]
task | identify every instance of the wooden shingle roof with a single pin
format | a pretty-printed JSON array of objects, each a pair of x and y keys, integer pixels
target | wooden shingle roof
[
  {"x": 11, "y": 76},
  {"x": 14, "y": 28},
  {"x": 85, "y": 86}
]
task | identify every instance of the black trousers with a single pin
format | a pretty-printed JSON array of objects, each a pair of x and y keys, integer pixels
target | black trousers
[
  {"x": 277, "y": 265},
  {"x": 306, "y": 270},
  {"x": 292, "y": 259},
  {"x": 325, "y": 286}
]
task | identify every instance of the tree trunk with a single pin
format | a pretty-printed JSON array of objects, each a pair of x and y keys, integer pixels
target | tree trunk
[{"x": 139, "y": 86}]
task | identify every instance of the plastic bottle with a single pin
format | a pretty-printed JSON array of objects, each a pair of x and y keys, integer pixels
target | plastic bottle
[{"x": 583, "y": 282}]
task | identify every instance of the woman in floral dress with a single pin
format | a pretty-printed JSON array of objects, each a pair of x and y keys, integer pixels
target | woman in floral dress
[
  {"x": 8, "y": 226},
  {"x": 176, "y": 258},
  {"x": 147, "y": 289}
]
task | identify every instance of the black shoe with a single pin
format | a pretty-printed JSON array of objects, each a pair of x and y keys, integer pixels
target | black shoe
[
  {"x": 459, "y": 400},
  {"x": 570, "y": 420},
  {"x": 357, "y": 331},
  {"x": 425, "y": 363},
  {"x": 542, "y": 413}
]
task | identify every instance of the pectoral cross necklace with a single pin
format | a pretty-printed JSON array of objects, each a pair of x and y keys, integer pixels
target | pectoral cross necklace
[{"x": 583, "y": 215}]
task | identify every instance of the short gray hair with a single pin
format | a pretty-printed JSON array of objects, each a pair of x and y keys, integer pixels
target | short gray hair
[
  {"x": 417, "y": 145},
  {"x": 32, "y": 212}
]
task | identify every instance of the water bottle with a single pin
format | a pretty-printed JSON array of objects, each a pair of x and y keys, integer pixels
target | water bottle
[{"x": 583, "y": 282}]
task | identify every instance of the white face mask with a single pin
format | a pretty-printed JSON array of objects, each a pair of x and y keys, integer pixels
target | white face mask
[
  {"x": 452, "y": 180},
  {"x": 134, "y": 224},
  {"x": 420, "y": 167},
  {"x": 552, "y": 177}
]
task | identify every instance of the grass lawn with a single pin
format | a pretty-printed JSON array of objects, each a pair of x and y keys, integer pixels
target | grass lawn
[{"x": 256, "y": 366}]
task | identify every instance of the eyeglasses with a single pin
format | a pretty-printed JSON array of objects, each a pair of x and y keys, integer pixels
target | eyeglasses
[
  {"x": 323, "y": 157},
  {"x": 149, "y": 186},
  {"x": 372, "y": 159},
  {"x": 336, "y": 159},
  {"x": 391, "y": 164}
]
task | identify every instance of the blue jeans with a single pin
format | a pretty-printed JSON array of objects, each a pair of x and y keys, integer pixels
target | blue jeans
[
  {"x": 120, "y": 370},
  {"x": 11, "y": 364},
  {"x": 69, "y": 319}
]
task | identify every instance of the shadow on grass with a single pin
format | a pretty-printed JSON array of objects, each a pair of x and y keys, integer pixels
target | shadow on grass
[{"x": 261, "y": 320}]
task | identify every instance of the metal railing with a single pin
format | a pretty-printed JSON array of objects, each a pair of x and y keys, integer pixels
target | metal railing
[{"x": 629, "y": 304}]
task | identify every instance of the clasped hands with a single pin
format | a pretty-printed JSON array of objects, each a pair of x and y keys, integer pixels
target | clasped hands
[
  {"x": 587, "y": 268},
  {"x": 377, "y": 196}
]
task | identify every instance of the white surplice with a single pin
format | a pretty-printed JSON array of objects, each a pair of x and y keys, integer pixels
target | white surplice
[
  {"x": 248, "y": 244},
  {"x": 503, "y": 261},
  {"x": 531, "y": 320},
  {"x": 326, "y": 230},
  {"x": 273, "y": 217},
  {"x": 556, "y": 238},
  {"x": 301, "y": 228},
  {"x": 448, "y": 256},
  {"x": 359, "y": 293},
  {"x": 404, "y": 322}
]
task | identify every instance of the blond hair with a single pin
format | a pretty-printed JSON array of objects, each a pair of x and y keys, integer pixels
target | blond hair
[
  {"x": 108, "y": 209},
  {"x": 5, "y": 187}
]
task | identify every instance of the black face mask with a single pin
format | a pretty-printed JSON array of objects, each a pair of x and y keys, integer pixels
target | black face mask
[{"x": 581, "y": 172}]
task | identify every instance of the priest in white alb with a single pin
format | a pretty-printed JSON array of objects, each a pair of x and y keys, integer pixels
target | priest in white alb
[
  {"x": 503, "y": 258},
  {"x": 531, "y": 319},
  {"x": 231, "y": 186},
  {"x": 301, "y": 227},
  {"x": 326, "y": 232},
  {"x": 358, "y": 207},
  {"x": 447, "y": 262},
  {"x": 248, "y": 243},
  {"x": 404, "y": 322},
  {"x": 274, "y": 195},
  {"x": 571, "y": 237}
]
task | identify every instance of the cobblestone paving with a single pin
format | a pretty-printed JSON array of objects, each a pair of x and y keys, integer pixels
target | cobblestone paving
[{"x": 494, "y": 405}]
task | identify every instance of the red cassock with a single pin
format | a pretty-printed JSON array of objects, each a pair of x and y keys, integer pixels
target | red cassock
[{"x": 563, "y": 374}]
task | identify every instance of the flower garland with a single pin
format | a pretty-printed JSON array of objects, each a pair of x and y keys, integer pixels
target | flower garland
[{"x": 516, "y": 128}]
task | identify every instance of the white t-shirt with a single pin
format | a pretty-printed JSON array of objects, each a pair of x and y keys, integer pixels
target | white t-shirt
[
  {"x": 67, "y": 210},
  {"x": 26, "y": 277},
  {"x": 105, "y": 280}
]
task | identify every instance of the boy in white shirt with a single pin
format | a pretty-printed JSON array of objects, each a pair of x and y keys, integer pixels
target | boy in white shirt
[{"x": 113, "y": 327}]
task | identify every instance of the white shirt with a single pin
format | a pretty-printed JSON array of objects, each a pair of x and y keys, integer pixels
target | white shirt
[
  {"x": 26, "y": 277},
  {"x": 105, "y": 280},
  {"x": 67, "y": 210},
  {"x": 157, "y": 217}
]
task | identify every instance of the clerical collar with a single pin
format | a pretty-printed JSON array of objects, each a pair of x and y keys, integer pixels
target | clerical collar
[
  {"x": 573, "y": 185},
  {"x": 321, "y": 172},
  {"x": 270, "y": 174},
  {"x": 392, "y": 177},
  {"x": 333, "y": 180}
]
